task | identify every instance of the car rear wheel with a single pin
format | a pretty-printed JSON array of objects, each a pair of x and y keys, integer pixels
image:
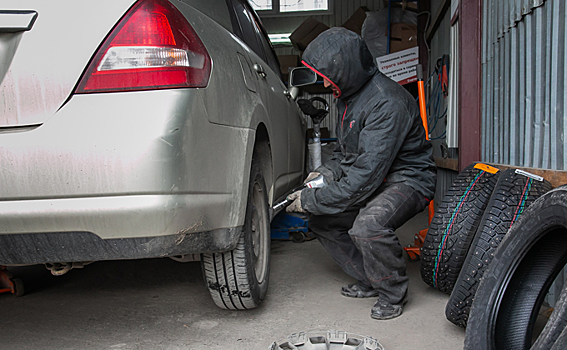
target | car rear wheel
[{"x": 238, "y": 279}]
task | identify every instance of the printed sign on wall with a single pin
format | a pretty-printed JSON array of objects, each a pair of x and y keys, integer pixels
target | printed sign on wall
[{"x": 400, "y": 66}]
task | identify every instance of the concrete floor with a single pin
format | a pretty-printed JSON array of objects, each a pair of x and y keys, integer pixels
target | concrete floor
[{"x": 163, "y": 304}]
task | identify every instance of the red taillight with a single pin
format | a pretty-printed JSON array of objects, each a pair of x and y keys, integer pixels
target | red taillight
[{"x": 153, "y": 47}]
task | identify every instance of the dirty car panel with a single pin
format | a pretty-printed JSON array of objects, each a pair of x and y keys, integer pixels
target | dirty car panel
[{"x": 137, "y": 174}]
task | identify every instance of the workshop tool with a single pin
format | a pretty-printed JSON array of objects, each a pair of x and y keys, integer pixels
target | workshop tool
[
  {"x": 294, "y": 226},
  {"x": 291, "y": 226},
  {"x": 317, "y": 182},
  {"x": 443, "y": 71},
  {"x": 9, "y": 284},
  {"x": 415, "y": 251},
  {"x": 317, "y": 115}
]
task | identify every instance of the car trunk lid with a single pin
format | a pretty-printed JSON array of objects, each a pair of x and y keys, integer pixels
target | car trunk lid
[{"x": 44, "y": 49}]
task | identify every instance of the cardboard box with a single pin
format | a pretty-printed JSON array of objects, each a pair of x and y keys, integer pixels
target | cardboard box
[
  {"x": 287, "y": 62},
  {"x": 402, "y": 36},
  {"x": 356, "y": 21},
  {"x": 306, "y": 32}
]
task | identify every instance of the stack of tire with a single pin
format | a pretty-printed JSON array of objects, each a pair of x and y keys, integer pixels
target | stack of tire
[{"x": 496, "y": 244}]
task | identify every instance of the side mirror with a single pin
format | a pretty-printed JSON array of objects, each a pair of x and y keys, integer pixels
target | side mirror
[
  {"x": 301, "y": 76},
  {"x": 292, "y": 92}
]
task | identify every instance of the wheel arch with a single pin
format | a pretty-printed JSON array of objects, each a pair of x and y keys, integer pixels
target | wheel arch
[{"x": 262, "y": 153}]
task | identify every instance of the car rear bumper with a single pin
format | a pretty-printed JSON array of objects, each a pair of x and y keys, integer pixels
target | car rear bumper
[
  {"x": 132, "y": 167},
  {"x": 113, "y": 227},
  {"x": 53, "y": 247}
]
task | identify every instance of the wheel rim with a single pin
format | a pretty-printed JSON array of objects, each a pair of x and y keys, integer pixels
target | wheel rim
[
  {"x": 331, "y": 339},
  {"x": 260, "y": 232}
]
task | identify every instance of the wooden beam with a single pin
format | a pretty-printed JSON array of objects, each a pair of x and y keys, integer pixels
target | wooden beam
[
  {"x": 447, "y": 163},
  {"x": 470, "y": 82},
  {"x": 436, "y": 21},
  {"x": 556, "y": 177}
]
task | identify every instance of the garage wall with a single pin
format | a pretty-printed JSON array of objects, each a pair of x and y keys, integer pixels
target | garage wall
[
  {"x": 439, "y": 45},
  {"x": 524, "y": 83},
  {"x": 342, "y": 10},
  {"x": 524, "y": 87}
]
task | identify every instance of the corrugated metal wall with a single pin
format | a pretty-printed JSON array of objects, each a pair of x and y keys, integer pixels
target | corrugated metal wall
[
  {"x": 524, "y": 80},
  {"x": 524, "y": 87}
]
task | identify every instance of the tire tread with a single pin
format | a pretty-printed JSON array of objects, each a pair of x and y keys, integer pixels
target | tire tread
[
  {"x": 510, "y": 192},
  {"x": 230, "y": 276},
  {"x": 453, "y": 226}
]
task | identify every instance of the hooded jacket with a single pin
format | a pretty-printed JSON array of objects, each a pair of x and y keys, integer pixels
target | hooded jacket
[{"x": 380, "y": 133}]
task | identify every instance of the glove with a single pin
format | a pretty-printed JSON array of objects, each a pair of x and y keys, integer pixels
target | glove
[
  {"x": 311, "y": 176},
  {"x": 295, "y": 206}
]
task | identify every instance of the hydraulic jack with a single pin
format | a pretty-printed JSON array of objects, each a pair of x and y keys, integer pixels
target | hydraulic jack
[{"x": 10, "y": 284}]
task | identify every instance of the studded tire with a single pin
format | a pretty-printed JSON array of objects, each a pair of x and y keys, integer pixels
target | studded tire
[
  {"x": 524, "y": 266},
  {"x": 238, "y": 279},
  {"x": 513, "y": 193},
  {"x": 453, "y": 226}
]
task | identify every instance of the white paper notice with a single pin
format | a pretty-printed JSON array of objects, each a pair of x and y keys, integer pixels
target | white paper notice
[{"x": 400, "y": 66}]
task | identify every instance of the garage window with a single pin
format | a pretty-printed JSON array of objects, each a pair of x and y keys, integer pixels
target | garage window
[{"x": 291, "y": 7}]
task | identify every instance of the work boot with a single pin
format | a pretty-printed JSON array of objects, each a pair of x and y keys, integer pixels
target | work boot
[
  {"x": 358, "y": 290},
  {"x": 384, "y": 310}
]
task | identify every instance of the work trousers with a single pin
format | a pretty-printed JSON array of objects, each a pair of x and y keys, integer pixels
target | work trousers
[{"x": 362, "y": 240}]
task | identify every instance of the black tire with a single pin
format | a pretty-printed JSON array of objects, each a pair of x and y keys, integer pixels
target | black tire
[
  {"x": 18, "y": 287},
  {"x": 561, "y": 343},
  {"x": 238, "y": 279},
  {"x": 524, "y": 266},
  {"x": 453, "y": 227},
  {"x": 512, "y": 194},
  {"x": 298, "y": 237},
  {"x": 557, "y": 324}
]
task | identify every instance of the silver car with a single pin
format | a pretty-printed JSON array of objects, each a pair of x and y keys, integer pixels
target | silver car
[{"x": 141, "y": 129}]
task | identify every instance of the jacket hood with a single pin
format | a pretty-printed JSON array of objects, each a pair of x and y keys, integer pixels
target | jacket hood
[{"x": 342, "y": 57}]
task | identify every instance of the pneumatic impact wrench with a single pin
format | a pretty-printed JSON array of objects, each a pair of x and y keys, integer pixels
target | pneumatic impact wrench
[
  {"x": 317, "y": 115},
  {"x": 317, "y": 182}
]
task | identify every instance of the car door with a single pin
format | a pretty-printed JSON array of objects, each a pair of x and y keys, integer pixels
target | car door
[
  {"x": 281, "y": 111},
  {"x": 288, "y": 108}
]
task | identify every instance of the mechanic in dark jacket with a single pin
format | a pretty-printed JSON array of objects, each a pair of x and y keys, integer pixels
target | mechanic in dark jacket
[{"x": 380, "y": 175}]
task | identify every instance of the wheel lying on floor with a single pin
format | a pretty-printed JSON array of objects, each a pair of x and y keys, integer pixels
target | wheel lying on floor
[
  {"x": 514, "y": 192},
  {"x": 454, "y": 224},
  {"x": 523, "y": 268},
  {"x": 335, "y": 340},
  {"x": 238, "y": 279}
]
